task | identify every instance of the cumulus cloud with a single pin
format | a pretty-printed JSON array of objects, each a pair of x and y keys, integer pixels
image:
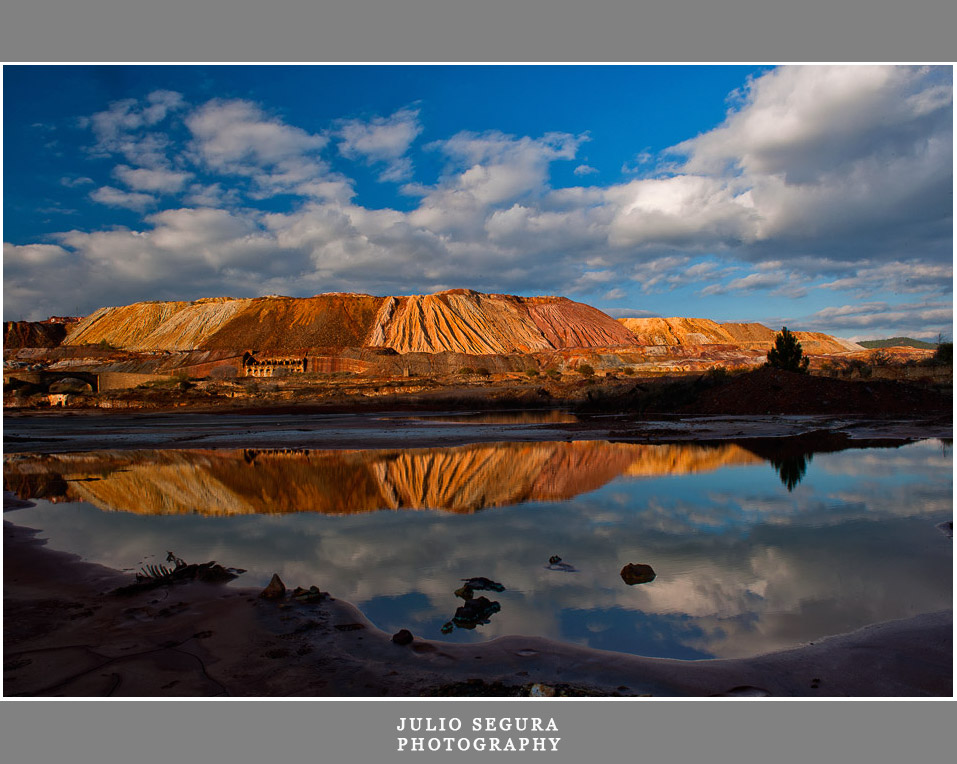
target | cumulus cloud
[
  {"x": 837, "y": 158},
  {"x": 831, "y": 180},
  {"x": 120, "y": 129},
  {"x": 69, "y": 182},
  {"x": 382, "y": 141},
  {"x": 238, "y": 138},
  {"x": 898, "y": 276},
  {"x": 749, "y": 283},
  {"x": 232, "y": 135},
  {"x": 143, "y": 179},
  {"x": 115, "y": 197},
  {"x": 870, "y": 319},
  {"x": 125, "y": 116}
]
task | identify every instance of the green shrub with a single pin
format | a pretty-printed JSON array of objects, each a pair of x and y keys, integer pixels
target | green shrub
[
  {"x": 586, "y": 370},
  {"x": 531, "y": 373}
]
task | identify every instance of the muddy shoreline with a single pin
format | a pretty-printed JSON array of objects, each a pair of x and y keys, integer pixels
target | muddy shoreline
[
  {"x": 62, "y": 433},
  {"x": 66, "y": 635}
]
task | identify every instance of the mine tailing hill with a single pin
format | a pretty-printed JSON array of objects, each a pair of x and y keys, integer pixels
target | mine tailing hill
[{"x": 458, "y": 321}]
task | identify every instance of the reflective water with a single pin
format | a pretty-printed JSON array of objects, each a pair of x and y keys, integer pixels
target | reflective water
[
  {"x": 754, "y": 546},
  {"x": 503, "y": 417}
]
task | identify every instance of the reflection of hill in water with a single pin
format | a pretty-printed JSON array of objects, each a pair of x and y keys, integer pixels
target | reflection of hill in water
[{"x": 461, "y": 479}]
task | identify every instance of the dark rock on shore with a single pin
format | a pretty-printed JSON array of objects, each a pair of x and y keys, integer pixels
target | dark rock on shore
[{"x": 276, "y": 589}]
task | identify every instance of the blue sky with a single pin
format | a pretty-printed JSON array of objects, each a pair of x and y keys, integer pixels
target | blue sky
[{"x": 819, "y": 197}]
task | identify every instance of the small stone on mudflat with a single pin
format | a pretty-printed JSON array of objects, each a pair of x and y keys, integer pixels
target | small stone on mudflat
[
  {"x": 402, "y": 637},
  {"x": 275, "y": 590}
]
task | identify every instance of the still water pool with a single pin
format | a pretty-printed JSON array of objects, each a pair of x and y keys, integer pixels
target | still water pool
[{"x": 753, "y": 548}]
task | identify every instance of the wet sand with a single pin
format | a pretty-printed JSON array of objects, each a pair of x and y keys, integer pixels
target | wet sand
[{"x": 65, "y": 634}]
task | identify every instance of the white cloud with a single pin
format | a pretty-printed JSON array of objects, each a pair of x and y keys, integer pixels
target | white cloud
[
  {"x": 879, "y": 319},
  {"x": 236, "y": 136},
  {"x": 748, "y": 283},
  {"x": 682, "y": 211},
  {"x": 639, "y": 164},
  {"x": 143, "y": 179},
  {"x": 114, "y": 197},
  {"x": 382, "y": 140},
  {"x": 844, "y": 156},
  {"x": 211, "y": 195},
  {"x": 120, "y": 129},
  {"x": 631, "y": 313},
  {"x": 76, "y": 182},
  {"x": 831, "y": 179},
  {"x": 488, "y": 172},
  {"x": 897, "y": 276}
]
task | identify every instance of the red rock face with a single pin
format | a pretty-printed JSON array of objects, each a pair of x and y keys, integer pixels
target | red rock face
[
  {"x": 33, "y": 334},
  {"x": 568, "y": 324}
]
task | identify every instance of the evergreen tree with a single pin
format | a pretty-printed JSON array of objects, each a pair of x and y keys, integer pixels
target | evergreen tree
[{"x": 787, "y": 353}]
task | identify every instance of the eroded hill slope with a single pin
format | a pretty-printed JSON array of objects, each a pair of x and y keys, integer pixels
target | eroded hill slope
[
  {"x": 687, "y": 332},
  {"x": 458, "y": 321}
]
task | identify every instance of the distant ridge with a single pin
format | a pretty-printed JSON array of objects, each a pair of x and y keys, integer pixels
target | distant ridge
[
  {"x": 897, "y": 342},
  {"x": 687, "y": 332}
]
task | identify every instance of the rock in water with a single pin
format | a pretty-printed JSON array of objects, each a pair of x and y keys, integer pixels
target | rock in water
[
  {"x": 475, "y": 612},
  {"x": 276, "y": 589},
  {"x": 637, "y": 573},
  {"x": 484, "y": 584}
]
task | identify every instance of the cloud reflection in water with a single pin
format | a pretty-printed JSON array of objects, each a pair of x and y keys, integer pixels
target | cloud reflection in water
[{"x": 744, "y": 565}]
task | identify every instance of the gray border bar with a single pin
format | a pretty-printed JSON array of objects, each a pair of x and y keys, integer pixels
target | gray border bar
[
  {"x": 649, "y": 732},
  {"x": 493, "y": 30}
]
